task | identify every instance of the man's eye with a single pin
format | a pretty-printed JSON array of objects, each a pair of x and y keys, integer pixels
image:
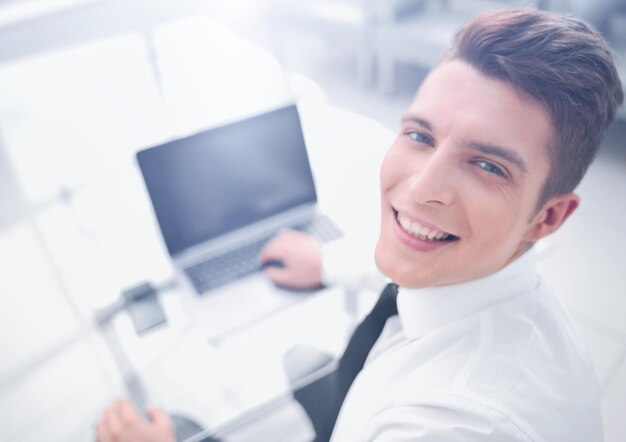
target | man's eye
[
  {"x": 491, "y": 168},
  {"x": 420, "y": 138}
]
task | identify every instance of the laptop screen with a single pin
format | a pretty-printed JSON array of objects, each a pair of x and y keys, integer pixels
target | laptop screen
[{"x": 228, "y": 177}]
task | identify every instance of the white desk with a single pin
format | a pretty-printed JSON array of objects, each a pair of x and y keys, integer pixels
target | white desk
[{"x": 56, "y": 374}]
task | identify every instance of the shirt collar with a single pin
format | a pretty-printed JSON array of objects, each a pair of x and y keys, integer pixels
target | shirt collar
[{"x": 424, "y": 310}]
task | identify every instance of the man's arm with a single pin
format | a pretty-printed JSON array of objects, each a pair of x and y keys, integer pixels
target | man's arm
[
  {"x": 445, "y": 418},
  {"x": 306, "y": 263}
]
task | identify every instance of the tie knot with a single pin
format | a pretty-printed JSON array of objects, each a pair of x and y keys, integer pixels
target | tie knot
[{"x": 386, "y": 305}]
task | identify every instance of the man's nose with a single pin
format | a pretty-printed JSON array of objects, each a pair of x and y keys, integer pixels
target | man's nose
[{"x": 433, "y": 182}]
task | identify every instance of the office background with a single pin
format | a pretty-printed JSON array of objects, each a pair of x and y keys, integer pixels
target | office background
[{"x": 84, "y": 84}]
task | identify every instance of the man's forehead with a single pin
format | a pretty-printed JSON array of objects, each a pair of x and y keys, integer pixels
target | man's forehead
[{"x": 453, "y": 77}]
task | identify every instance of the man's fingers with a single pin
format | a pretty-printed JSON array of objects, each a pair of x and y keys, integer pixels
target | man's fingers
[
  {"x": 272, "y": 250},
  {"x": 103, "y": 429},
  {"x": 110, "y": 426},
  {"x": 163, "y": 423},
  {"x": 278, "y": 275},
  {"x": 114, "y": 422},
  {"x": 127, "y": 414},
  {"x": 158, "y": 417},
  {"x": 282, "y": 245},
  {"x": 300, "y": 259},
  {"x": 122, "y": 422}
]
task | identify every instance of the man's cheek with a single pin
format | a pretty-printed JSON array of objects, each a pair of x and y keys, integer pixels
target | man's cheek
[{"x": 392, "y": 172}]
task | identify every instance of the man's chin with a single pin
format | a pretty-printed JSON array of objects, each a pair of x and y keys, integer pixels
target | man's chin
[
  {"x": 403, "y": 273},
  {"x": 393, "y": 268}
]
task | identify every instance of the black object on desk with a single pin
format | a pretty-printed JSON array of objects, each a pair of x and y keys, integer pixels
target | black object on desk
[
  {"x": 144, "y": 308},
  {"x": 142, "y": 304}
]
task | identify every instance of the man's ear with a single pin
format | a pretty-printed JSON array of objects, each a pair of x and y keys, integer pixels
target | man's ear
[{"x": 552, "y": 215}]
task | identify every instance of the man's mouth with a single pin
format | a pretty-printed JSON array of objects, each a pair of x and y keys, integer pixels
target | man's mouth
[{"x": 420, "y": 231}]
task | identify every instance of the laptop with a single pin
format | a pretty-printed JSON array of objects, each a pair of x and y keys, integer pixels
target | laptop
[{"x": 219, "y": 196}]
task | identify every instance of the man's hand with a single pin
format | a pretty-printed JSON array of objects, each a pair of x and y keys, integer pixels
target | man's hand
[
  {"x": 301, "y": 255},
  {"x": 121, "y": 423}
]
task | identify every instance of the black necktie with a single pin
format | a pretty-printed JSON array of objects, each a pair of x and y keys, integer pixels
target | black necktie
[{"x": 363, "y": 339}]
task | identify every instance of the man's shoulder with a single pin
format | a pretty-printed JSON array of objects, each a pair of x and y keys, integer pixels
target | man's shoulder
[{"x": 518, "y": 361}]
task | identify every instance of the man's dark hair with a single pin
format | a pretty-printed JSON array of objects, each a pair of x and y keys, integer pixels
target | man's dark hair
[{"x": 562, "y": 62}]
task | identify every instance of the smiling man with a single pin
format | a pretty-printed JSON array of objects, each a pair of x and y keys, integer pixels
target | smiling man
[
  {"x": 461, "y": 182},
  {"x": 485, "y": 164}
]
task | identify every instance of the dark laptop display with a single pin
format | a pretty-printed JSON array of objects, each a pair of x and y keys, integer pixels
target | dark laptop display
[{"x": 228, "y": 177}]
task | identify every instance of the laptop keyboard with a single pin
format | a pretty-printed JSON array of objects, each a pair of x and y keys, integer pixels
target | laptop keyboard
[{"x": 237, "y": 263}]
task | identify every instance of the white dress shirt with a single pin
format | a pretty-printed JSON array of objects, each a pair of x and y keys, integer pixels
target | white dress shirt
[{"x": 494, "y": 359}]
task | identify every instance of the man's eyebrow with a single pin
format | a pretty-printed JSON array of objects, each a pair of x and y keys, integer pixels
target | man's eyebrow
[
  {"x": 491, "y": 149},
  {"x": 407, "y": 118},
  {"x": 502, "y": 152}
]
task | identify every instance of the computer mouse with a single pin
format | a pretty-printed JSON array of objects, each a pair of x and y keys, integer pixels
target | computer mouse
[{"x": 273, "y": 263}]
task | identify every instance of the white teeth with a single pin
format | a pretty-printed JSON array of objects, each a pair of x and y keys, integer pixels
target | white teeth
[{"x": 419, "y": 231}]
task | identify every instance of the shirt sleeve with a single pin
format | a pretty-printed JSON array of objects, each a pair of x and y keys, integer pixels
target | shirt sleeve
[
  {"x": 349, "y": 262},
  {"x": 448, "y": 420}
]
